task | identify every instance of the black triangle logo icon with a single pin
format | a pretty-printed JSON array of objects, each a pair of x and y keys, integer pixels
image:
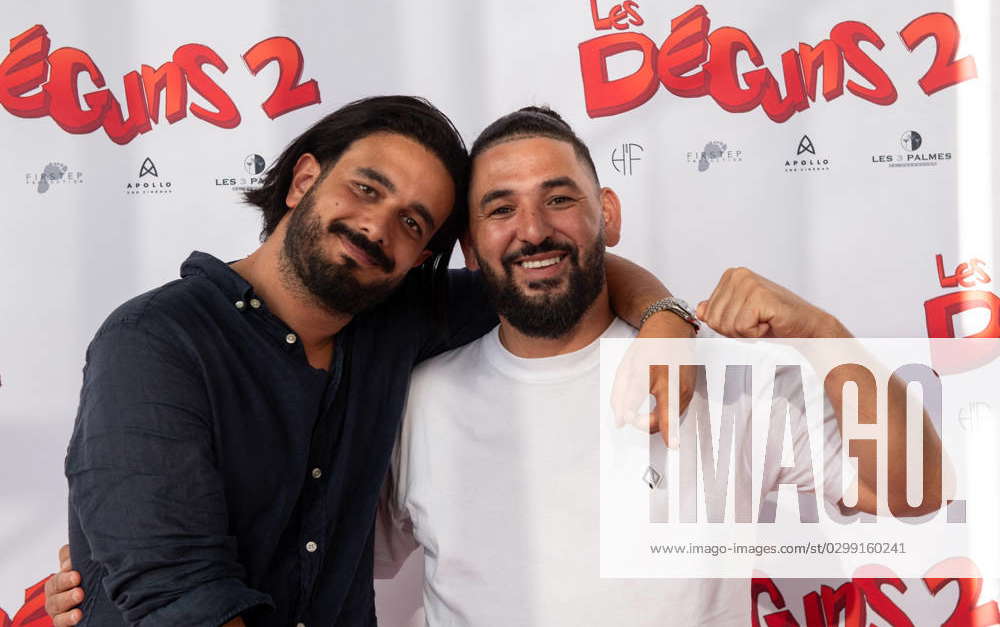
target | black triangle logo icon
[
  {"x": 806, "y": 145},
  {"x": 148, "y": 168}
]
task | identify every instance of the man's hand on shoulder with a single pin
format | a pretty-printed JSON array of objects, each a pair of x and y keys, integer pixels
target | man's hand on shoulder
[
  {"x": 745, "y": 304},
  {"x": 627, "y": 392},
  {"x": 63, "y": 595}
]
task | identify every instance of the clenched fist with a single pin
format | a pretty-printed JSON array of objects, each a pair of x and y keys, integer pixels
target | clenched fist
[{"x": 745, "y": 304}]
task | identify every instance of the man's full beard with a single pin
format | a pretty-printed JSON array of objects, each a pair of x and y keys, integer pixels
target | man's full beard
[
  {"x": 546, "y": 315},
  {"x": 330, "y": 283}
]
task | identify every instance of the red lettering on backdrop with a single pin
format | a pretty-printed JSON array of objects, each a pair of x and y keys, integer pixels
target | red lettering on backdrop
[
  {"x": 607, "y": 97},
  {"x": 170, "y": 78},
  {"x": 66, "y": 64},
  {"x": 288, "y": 94},
  {"x": 123, "y": 130},
  {"x": 620, "y": 16},
  {"x": 940, "y": 314},
  {"x": 190, "y": 58},
  {"x": 780, "y": 108},
  {"x": 724, "y": 83},
  {"x": 826, "y": 55},
  {"x": 25, "y": 69},
  {"x": 853, "y": 598},
  {"x": 881, "y": 604},
  {"x": 685, "y": 49},
  {"x": 782, "y": 618},
  {"x": 693, "y": 62},
  {"x": 845, "y": 601},
  {"x": 32, "y": 614},
  {"x": 849, "y": 35},
  {"x": 62, "y": 73},
  {"x": 941, "y": 311},
  {"x": 945, "y": 71},
  {"x": 963, "y": 273}
]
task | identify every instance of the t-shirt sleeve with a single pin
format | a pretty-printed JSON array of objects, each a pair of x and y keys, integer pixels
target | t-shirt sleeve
[
  {"x": 470, "y": 315},
  {"x": 821, "y": 420},
  {"x": 394, "y": 540}
]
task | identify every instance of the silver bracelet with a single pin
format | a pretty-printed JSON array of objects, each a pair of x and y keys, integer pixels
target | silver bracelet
[{"x": 675, "y": 306}]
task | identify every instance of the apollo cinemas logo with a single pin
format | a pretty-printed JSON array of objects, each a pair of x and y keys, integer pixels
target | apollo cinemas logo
[
  {"x": 254, "y": 166},
  {"x": 807, "y": 159},
  {"x": 149, "y": 181},
  {"x": 910, "y": 154}
]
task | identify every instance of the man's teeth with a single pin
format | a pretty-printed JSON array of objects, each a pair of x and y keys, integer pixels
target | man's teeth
[{"x": 542, "y": 263}]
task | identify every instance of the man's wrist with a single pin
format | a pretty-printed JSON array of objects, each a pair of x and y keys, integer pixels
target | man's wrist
[
  {"x": 831, "y": 327},
  {"x": 666, "y": 323},
  {"x": 675, "y": 306}
]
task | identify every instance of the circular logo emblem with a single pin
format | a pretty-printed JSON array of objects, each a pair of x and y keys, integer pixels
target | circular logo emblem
[
  {"x": 911, "y": 141},
  {"x": 253, "y": 164}
]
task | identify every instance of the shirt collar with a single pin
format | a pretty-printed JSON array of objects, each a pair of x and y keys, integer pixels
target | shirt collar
[{"x": 234, "y": 286}]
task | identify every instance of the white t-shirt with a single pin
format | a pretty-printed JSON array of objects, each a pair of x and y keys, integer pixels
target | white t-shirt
[{"x": 496, "y": 476}]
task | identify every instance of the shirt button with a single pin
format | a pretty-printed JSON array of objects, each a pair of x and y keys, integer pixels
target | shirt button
[
  {"x": 239, "y": 304},
  {"x": 290, "y": 338},
  {"x": 311, "y": 546},
  {"x": 255, "y": 303},
  {"x": 317, "y": 473}
]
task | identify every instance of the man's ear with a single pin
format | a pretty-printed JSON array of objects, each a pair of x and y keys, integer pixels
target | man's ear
[
  {"x": 465, "y": 241},
  {"x": 611, "y": 212},
  {"x": 304, "y": 175},
  {"x": 422, "y": 257}
]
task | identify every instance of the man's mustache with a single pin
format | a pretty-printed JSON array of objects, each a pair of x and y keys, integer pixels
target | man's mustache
[
  {"x": 545, "y": 246},
  {"x": 370, "y": 248}
]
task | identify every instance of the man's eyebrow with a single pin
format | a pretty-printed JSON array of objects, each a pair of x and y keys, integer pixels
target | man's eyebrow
[
  {"x": 492, "y": 195},
  {"x": 378, "y": 177},
  {"x": 561, "y": 181}
]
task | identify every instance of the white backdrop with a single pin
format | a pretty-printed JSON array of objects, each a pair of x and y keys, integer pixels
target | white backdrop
[{"x": 853, "y": 233}]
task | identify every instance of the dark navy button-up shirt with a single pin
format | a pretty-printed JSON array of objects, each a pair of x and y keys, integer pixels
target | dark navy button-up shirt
[{"x": 214, "y": 473}]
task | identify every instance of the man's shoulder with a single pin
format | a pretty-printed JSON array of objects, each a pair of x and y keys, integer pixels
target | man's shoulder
[
  {"x": 459, "y": 362},
  {"x": 165, "y": 311}
]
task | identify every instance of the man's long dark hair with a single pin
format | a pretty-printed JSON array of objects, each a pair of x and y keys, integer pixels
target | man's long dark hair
[{"x": 412, "y": 117}]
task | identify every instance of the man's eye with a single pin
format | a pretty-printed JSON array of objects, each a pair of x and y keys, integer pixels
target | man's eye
[
  {"x": 413, "y": 225},
  {"x": 367, "y": 190},
  {"x": 500, "y": 211},
  {"x": 560, "y": 200}
]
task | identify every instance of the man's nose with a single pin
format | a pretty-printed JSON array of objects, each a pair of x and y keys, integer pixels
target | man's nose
[
  {"x": 533, "y": 225},
  {"x": 376, "y": 223}
]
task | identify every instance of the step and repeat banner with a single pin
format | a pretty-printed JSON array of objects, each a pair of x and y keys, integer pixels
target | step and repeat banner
[{"x": 842, "y": 149}]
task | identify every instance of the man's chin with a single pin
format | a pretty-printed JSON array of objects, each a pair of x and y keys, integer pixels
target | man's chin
[{"x": 553, "y": 287}]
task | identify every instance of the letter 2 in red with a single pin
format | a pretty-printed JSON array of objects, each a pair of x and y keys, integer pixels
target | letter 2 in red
[{"x": 288, "y": 94}]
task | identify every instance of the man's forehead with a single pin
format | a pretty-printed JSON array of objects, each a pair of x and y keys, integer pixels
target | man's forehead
[
  {"x": 384, "y": 145},
  {"x": 527, "y": 164},
  {"x": 525, "y": 157}
]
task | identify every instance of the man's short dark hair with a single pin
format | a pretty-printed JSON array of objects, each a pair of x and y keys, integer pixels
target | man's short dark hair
[
  {"x": 412, "y": 117},
  {"x": 533, "y": 122}
]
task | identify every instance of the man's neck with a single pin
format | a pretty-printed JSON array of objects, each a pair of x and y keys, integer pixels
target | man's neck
[
  {"x": 314, "y": 324},
  {"x": 590, "y": 327}
]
